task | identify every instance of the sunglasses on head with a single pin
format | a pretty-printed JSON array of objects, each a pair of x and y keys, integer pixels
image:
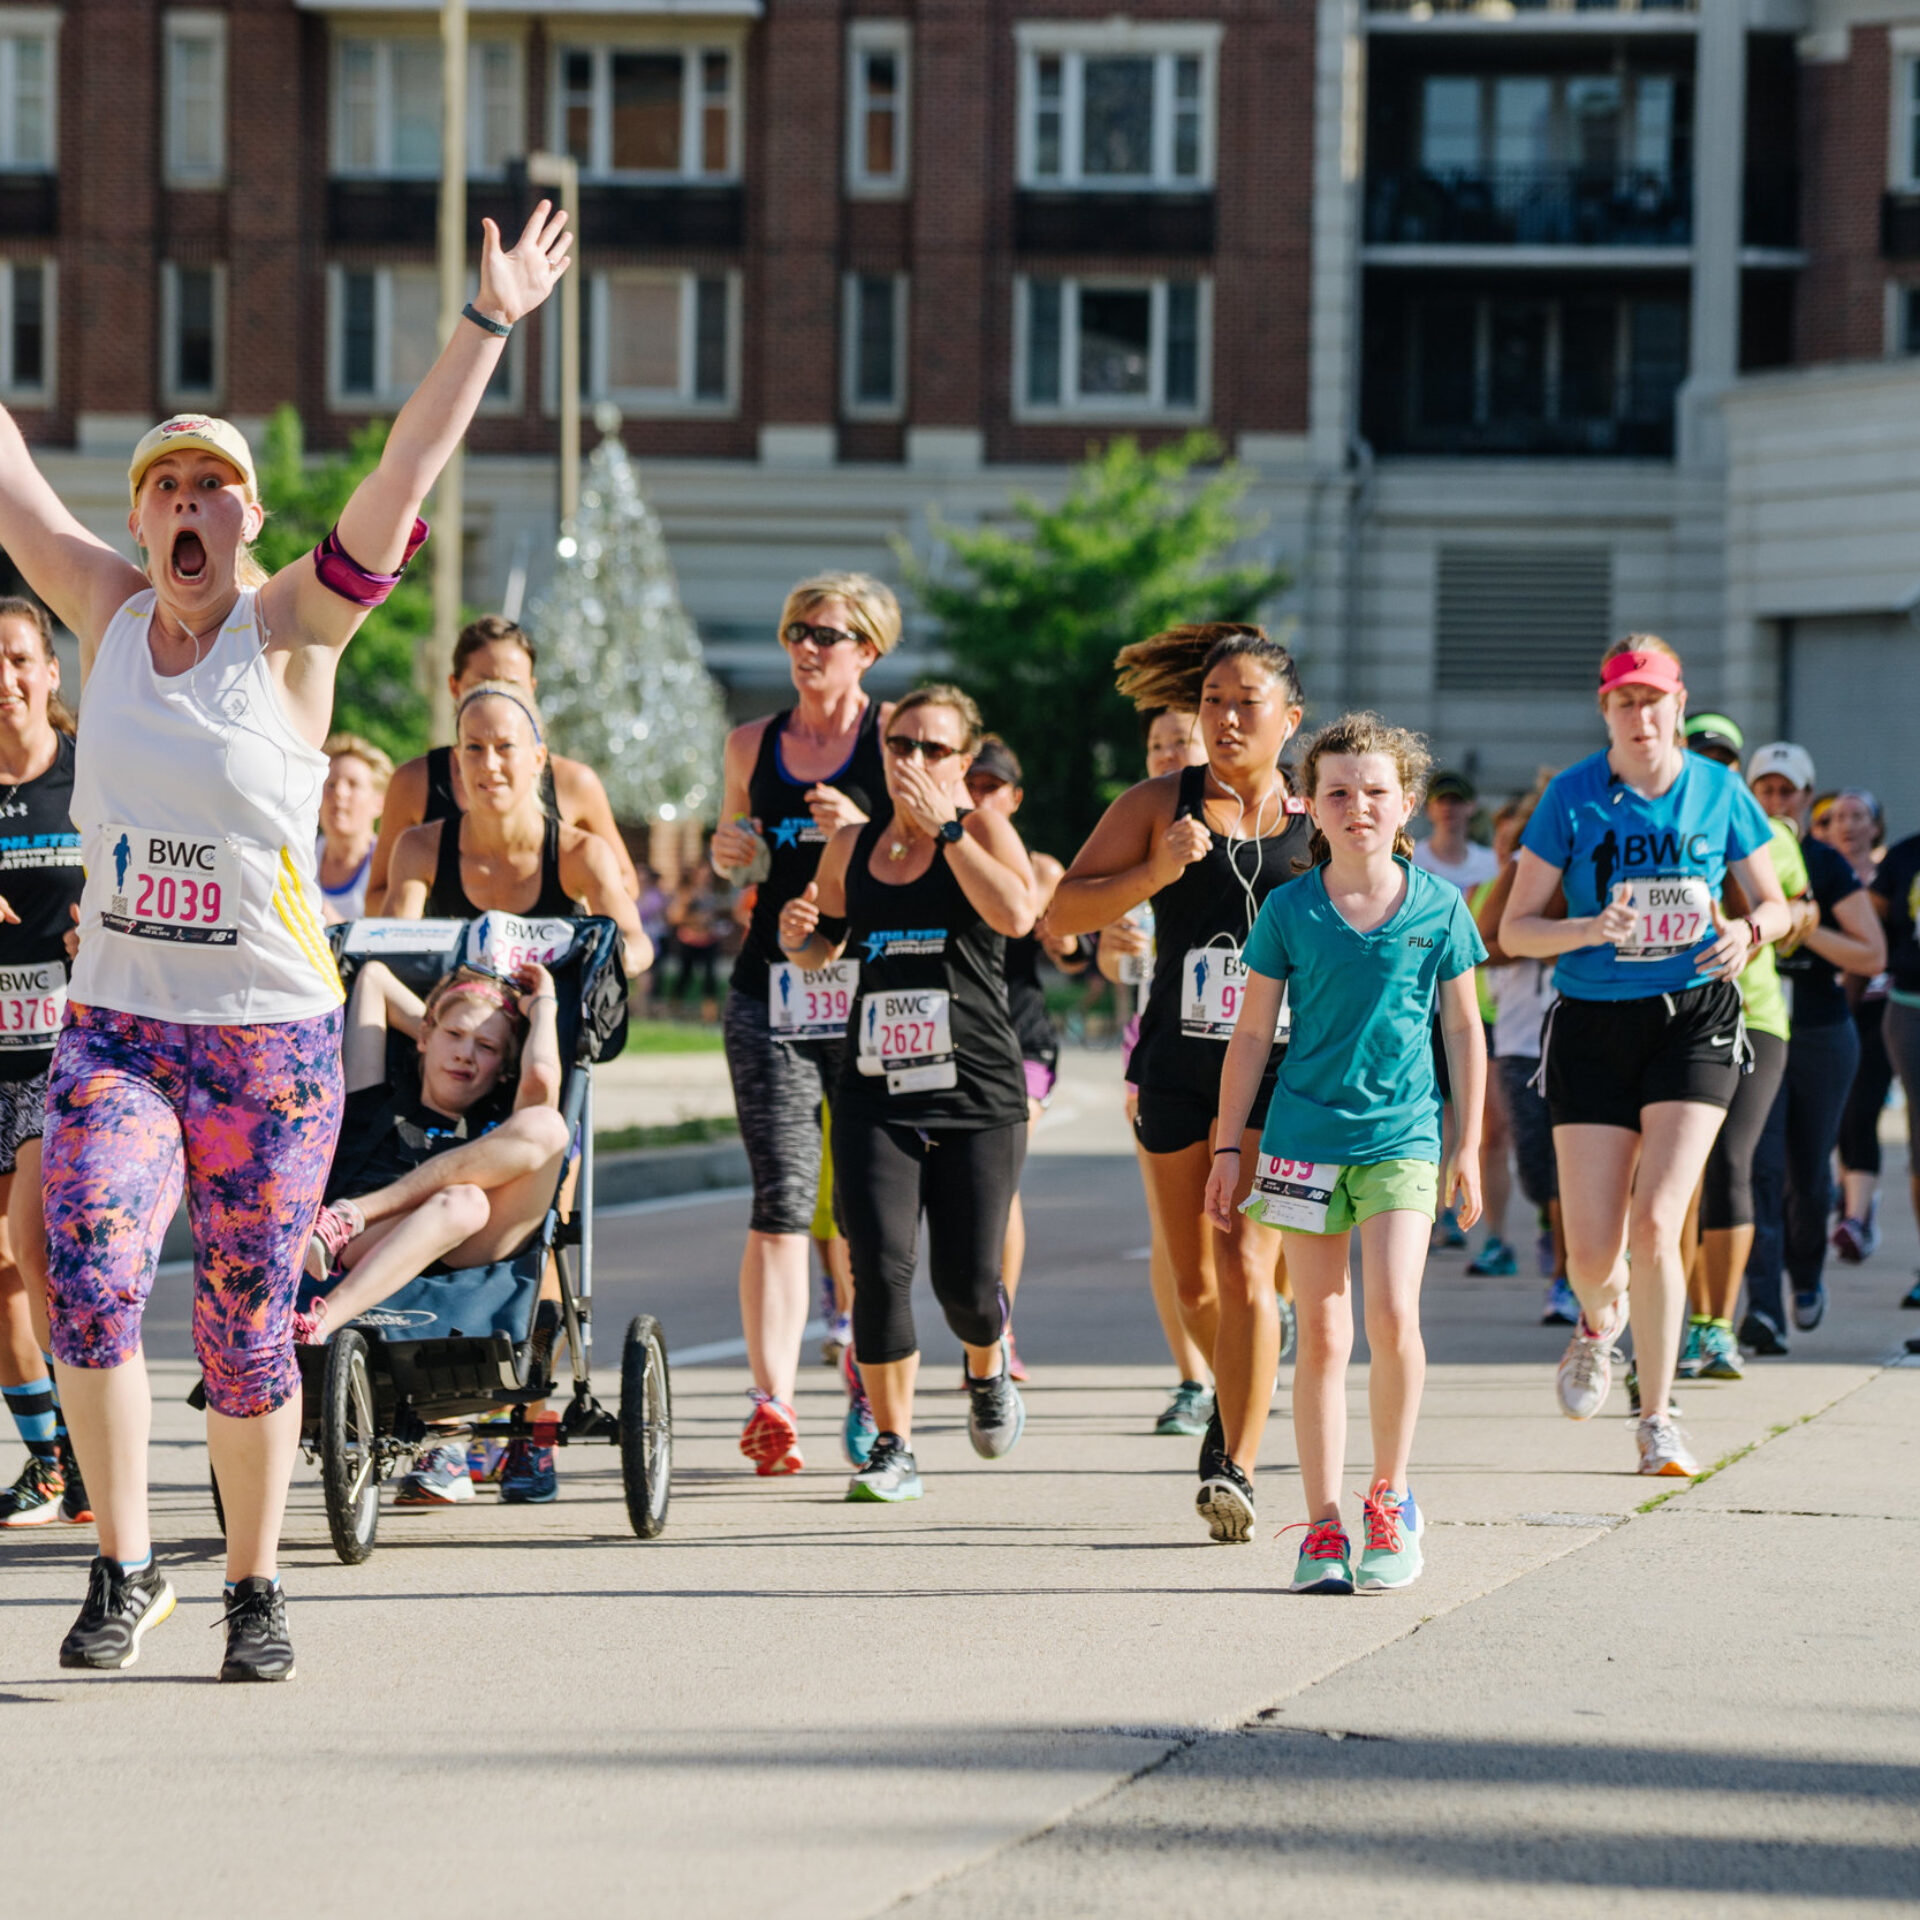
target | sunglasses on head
[
  {"x": 931, "y": 751},
  {"x": 796, "y": 631}
]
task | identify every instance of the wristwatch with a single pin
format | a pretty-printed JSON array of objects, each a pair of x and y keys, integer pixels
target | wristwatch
[{"x": 950, "y": 831}]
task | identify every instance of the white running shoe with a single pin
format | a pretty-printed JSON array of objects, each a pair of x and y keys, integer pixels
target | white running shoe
[
  {"x": 1663, "y": 1448},
  {"x": 1585, "y": 1377}
]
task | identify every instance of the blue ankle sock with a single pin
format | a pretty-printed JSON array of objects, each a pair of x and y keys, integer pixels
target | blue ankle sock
[
  {"x": 230, "y": 1585},
  {"x": 129, "y": 1568},
  {"x": 37, "y": 1414},
  {"x": 59, "y": 1412}
]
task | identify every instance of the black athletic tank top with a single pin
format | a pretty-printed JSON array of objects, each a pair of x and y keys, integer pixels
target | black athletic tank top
[
  {"x": 40, "y": 879},
  {"x": 921, "y": 937},
  {"x": 1208, "y": 905},
  {"x": 794, "y": 843},
  {"x": 441, "y": 804},
  {"x": 448, "y": 898},
  {"x": 1027, "y": 1001}
]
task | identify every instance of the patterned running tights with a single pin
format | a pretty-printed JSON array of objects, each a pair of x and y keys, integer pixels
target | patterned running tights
[{"x": 246, "y": 1118}]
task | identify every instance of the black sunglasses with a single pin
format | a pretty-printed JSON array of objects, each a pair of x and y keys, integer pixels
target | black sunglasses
[
  {"x": 931, "y": 751},
  {"x": 796, "y": 631}
]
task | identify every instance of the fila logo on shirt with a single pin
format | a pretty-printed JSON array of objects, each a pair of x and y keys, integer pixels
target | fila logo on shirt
[{"x": 1420, "y": 940}]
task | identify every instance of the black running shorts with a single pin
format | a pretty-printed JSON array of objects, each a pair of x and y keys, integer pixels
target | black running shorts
[
  {"x": 1169, "y": 1120},
  {"x": 1607, "y": 1059}
]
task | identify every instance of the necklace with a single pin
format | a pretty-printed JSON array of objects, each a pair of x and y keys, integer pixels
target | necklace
[{"x": 899, "y": 849}]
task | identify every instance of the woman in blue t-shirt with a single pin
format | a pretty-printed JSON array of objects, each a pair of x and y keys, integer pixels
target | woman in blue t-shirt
[
  {"x": 1644, "y": 1050},
  {"x": 1365, "y": 945}
]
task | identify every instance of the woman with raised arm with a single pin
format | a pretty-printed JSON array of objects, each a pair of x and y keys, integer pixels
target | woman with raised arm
[{"x": 202, "y": 1039}]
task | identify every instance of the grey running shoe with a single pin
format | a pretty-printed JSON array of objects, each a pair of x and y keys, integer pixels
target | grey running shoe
[
  {"x": 1663, "y": 1448},
  {"x": 997, "y": 1416},
  {"x": 1585, "y": 1375},
  {"x": 890, "y": 1473},
  {"x": 1188, "y": 1412},
  {"x": 1809, "y": 1309},
  {"x": 1225, "y": 1503},
  {"x": 257, "y": 1644},
  {"x": 119, "y": 1610}
]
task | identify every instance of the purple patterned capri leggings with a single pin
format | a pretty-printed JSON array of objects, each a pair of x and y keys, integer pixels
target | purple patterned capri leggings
[{"x": 246, "y": 1118}]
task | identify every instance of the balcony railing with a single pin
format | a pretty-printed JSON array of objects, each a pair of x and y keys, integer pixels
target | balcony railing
[
  {"x": 1900, "y": 226},
  {"x": 407, "y": 213},
  {"x": 29, "y": 204},
  {"x": 1113, "y": 222},
  {"x": 1510, "y": 9},
  {"x": 1640, "y": 439},
  {"x": 1529, "y": 207}
]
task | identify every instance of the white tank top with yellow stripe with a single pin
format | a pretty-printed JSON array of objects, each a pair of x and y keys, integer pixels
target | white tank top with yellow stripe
[{"x": 197, "y": 806}]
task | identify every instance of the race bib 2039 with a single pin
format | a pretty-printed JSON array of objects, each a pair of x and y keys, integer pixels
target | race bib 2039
[{"x": 169, "y": 886}]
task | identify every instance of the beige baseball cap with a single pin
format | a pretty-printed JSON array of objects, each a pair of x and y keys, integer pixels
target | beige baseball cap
[{"x": 199, "y": 430}]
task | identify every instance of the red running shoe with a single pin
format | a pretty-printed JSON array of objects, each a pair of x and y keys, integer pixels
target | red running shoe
[
  {"x": 771, "y": 1437},
  {"x": 334, "y": 1228}
]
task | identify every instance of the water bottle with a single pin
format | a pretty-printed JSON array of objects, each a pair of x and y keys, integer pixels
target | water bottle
[{"x": 1135, "y": 968}]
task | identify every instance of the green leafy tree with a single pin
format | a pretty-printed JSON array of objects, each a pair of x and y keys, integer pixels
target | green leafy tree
[
  {"x": 376, "y": 694},
  {"x": 1032, "y": 618}
]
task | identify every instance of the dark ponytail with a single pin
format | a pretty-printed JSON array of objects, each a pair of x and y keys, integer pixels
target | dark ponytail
[{"x": 1170, "y": 669}]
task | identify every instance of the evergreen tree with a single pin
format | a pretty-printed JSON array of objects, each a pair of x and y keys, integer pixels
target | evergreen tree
[
  {"x": 375, "y": 694},
  {"x": 623, "y": 683},
  {"x": 1032, "y": 618}
]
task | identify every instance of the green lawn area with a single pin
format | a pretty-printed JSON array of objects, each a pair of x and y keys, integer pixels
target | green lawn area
[
  {"x": 681, "y": 1133},
  {"x": 671, "y": 1036}
]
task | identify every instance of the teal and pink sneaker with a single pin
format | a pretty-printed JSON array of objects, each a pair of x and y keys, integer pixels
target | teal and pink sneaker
[
  {"x": 1325, "y": 1564},
  {"x": 1391, "y": 1557}
]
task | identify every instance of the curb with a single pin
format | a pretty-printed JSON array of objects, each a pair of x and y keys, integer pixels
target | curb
[{"x": 647, "y": 1173}]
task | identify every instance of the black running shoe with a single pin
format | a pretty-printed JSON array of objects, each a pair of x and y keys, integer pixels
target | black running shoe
[
  {"x": 75, "y": 1508},
  {"x": 1911, "y": 1298},
  {"x": 1213, "y": 1446},
  {"x": 1225, "y": 1503},
  {"x": 34, "y": 1498},
  {"x": 1759, "y": 1335},
  {"x": 257, "y": 1644},
  {"x": 119, "y": 1610}
]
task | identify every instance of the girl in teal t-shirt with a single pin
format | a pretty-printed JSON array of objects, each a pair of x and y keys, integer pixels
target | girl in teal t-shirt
[{"x": 1365, "y": 947}]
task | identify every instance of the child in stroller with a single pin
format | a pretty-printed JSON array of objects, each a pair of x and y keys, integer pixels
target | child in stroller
[{"x": 449, "y": 1155}]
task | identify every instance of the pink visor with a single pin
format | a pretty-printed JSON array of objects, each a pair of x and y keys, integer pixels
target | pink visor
[{"x": 1660, "y": 670}]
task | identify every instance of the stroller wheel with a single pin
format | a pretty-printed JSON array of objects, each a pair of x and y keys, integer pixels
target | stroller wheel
[
  {"x": 646, "y": 1426},
  {"x": 348, "y": 1455}
]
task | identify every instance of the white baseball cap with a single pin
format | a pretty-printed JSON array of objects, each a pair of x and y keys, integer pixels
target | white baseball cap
[
  {"x": 196, "y": 430},
  {"x": 1791, "y": 762}
]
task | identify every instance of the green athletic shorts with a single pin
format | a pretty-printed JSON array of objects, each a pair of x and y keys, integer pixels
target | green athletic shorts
[{"x": 1358, "y": 1193}]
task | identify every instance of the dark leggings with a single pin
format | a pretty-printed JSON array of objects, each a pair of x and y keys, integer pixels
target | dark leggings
[
  {"x": 1726, "y": 1200},
  {"x": 1793, "y": 1169},
  {"x": 1860, "y": 1123},
  {"x": 884, "y": 1176}
]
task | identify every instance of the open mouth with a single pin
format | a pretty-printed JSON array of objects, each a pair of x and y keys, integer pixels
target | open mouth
[{"x": 189, "y": 557}]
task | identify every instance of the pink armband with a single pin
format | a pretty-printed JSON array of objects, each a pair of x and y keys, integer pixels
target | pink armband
[{"x": 341, "y": 573}]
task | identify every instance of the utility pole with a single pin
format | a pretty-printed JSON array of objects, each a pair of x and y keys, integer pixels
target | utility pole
[
  {"x": 449, "y": 495},
  {"x": 562, "y": 171}
]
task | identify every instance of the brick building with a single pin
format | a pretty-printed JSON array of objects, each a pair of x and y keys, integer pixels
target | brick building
[{"x": 1523, "y": 311}]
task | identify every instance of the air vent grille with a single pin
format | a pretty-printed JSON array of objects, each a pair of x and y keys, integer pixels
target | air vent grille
[{"x": 1521, "y": 619}]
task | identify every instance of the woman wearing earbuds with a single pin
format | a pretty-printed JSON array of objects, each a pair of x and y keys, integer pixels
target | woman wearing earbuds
[
  {"x": 1206, "y": 845},
  {"x": 202, "y": 1038},
  {"x": 930, "y": 1108}
]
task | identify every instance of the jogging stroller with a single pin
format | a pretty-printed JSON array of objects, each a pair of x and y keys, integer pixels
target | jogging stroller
[{"x": 430, "y": 1362}]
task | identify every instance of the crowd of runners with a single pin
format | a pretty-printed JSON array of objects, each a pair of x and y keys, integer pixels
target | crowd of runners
[{"x": 1667, "y": 995}]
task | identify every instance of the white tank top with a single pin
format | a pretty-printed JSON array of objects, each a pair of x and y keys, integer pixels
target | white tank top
[{"x": 198, "y": 807}]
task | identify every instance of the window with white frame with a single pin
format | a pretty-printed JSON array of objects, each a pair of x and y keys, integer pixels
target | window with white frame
[
  {"x": 27, "y": 92},
  {"x": 386, "y": 120},
  {"x": 658, "y": 342},
  {"x": 878, "y": 70},
  {"x": 192, "y": 334},
  {"x": 27, "y": 330},
  {"x": 874, "y": 378},
  {"x": 1117, "y": 107},
  {"x": 660, "y": 112},
  {"x": 386, "y": 334},
  {"x": 1117, "y": 348},
  {"x": 196, "y": 98}
]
